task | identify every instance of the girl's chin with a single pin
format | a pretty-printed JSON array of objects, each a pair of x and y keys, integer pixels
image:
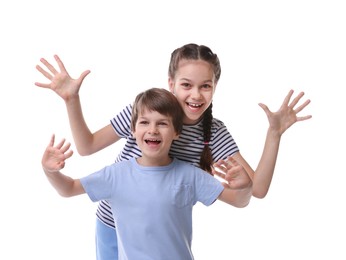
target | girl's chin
[{"x": 191, "y": 120}]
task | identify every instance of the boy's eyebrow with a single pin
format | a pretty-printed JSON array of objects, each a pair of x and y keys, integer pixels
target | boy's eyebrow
[{"x": 166, "y": 118}]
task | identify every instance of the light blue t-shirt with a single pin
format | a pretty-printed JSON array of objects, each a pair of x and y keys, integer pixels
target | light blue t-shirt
[{"x": 153, "y": 206}]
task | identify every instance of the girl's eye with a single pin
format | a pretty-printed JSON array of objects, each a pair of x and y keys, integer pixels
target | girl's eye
[
  {"x": 206, "y": 86},
  {"x": 185, "y": 85}
]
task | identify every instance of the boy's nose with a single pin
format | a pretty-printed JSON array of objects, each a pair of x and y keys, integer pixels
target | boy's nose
[{"x": 153, "y": 129}]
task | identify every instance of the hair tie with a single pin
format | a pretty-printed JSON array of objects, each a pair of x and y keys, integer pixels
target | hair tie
[{"x": 206, "y": 143}]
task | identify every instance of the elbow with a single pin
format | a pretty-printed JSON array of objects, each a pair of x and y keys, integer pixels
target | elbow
[
  {"x": 244, "y": 202},
  {"x": 259, "y": 194},
  {"x": 259, "y": 190},
  {"x": 87, "y": 150},
  {"x": 65, "y": 194},
  {"x": 84, "y": 152},
  {"x": 243, "y": 205}
]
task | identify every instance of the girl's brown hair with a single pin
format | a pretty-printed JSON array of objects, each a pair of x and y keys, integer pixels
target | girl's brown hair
[{"x": 199, "y": 52}]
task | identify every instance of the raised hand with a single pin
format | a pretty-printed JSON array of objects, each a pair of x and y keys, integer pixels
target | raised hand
[
  {"x": 54, "y": 157},
  {"x": 60, "y": 81},
  {"x": 232, "y": 172},
  {"x": 286, "y": 116}
]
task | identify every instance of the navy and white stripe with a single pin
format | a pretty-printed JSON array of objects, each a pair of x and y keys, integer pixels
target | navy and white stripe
[{"x": 187, "y": 148}]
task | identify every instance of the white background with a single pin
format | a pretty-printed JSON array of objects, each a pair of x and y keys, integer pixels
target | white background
[{"x": 265, "y": 47}]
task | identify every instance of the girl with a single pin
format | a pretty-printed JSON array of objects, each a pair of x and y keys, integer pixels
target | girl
[{"x": 194, "y": 71}]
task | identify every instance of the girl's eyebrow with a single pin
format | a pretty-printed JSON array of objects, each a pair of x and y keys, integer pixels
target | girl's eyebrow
[
  {"x": 185, "y": 79},
  {"x": 205, "y": 81}
]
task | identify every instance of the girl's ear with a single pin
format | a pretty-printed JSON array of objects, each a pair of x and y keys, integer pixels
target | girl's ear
[{"x": 171, "y": 85}]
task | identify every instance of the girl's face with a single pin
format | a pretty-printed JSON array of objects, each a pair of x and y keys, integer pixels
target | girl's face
[{"x": 194, "y": 86}]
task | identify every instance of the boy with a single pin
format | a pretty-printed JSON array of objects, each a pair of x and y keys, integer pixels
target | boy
[{"x": 152, "y": 195}]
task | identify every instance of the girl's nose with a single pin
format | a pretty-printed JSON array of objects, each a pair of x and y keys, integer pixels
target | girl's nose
[{"x": 195, "y": 93}]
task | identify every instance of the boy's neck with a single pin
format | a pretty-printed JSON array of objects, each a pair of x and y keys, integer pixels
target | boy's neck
[{"x": 154, "y": 162}]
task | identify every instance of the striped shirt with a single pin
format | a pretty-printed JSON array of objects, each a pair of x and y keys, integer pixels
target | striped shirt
[{"x": 187, "y": 148}]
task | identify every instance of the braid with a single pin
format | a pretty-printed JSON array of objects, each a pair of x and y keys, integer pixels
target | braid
[
  {"x": 194, "y": 51},
  {"x": 206, "y": 157}
]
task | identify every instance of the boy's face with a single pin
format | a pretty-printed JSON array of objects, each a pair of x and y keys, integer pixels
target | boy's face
[{"x": 154, "y": 134}]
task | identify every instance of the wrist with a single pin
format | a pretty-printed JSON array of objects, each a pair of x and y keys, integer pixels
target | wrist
[
  {"x": 49, "y": 171},
  {"x": 273, "y": 133},
  {"x": 72, "y": 98}
]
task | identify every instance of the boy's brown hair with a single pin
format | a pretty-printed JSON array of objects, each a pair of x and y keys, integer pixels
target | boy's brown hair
[{"x": 161, "y": 101}]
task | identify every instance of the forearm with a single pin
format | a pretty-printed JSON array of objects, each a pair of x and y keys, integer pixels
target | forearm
[
  {"x": 63, "y": 184},
  {"x": 264, "y": 173},
  {"x": 87, "y": 142},
  {"x": 239, "y": 198},
  {"x": 82, "y": 136}
]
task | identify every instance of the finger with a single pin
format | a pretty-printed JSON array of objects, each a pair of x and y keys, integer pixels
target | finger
[
  {"x": 65, "y": 147},
  {"x": 302, "y": 106},
  {"x": 218, "y": 173},
  {"x": 44, "y": 73},
  {"x": 51, "y": 141},
  {"x": 219, "y": 167},
  {"x": 296, "y": 100},
  {"x": 60, "y": 64},
  {"x": 226, "y": 185},
  {"x": 265, "y": 109},
  {"x": 68, "y": 154},
  {"x": 232, "y": 161},
  {"x": 220, "y": 162},
  {"x": 61, "y": 165},
  {"x": 303, "y": 118},
  {"x": 49, "y": 66},
  {"x": 287, "y": 98},
  {"x": 41, "y": 85},
  {"x": 60, "y": 144},
  {"x": 83, "y": 75}
]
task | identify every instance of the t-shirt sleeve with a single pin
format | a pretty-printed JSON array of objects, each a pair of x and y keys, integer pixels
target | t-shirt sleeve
[
  {"x": 207, "y": 188},
  {"x": 122, "y": 122},
  {"x": 98, "y": 185}
]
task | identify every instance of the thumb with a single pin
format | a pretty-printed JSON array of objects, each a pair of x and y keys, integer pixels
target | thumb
[
  {"x": 83, "y": 75},
  {"x": 265, "y": 108}
]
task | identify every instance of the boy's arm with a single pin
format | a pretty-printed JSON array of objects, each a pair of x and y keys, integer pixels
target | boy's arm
[
  {"x": 238, "y": 186},
  {"x": 53, "y": 160},
  {"x": 68, "y": 89}
]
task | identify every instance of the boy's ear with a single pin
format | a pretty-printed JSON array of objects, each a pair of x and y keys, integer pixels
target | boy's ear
[{"x": 176, "y": 137}]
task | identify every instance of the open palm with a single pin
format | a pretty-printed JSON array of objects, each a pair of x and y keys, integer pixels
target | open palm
[{"x": 60, "y": 81}]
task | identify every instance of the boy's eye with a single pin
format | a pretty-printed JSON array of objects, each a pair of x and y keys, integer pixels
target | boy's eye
[
  {"x": 143, "y": 122},
  {"x": 162, "y": 123}
]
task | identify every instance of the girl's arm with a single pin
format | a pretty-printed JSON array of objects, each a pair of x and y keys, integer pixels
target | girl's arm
[
  {"x": 53, "y": 160},
  {"x": 279, "y": 122},
  {"x": 68, "y": 89}
]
